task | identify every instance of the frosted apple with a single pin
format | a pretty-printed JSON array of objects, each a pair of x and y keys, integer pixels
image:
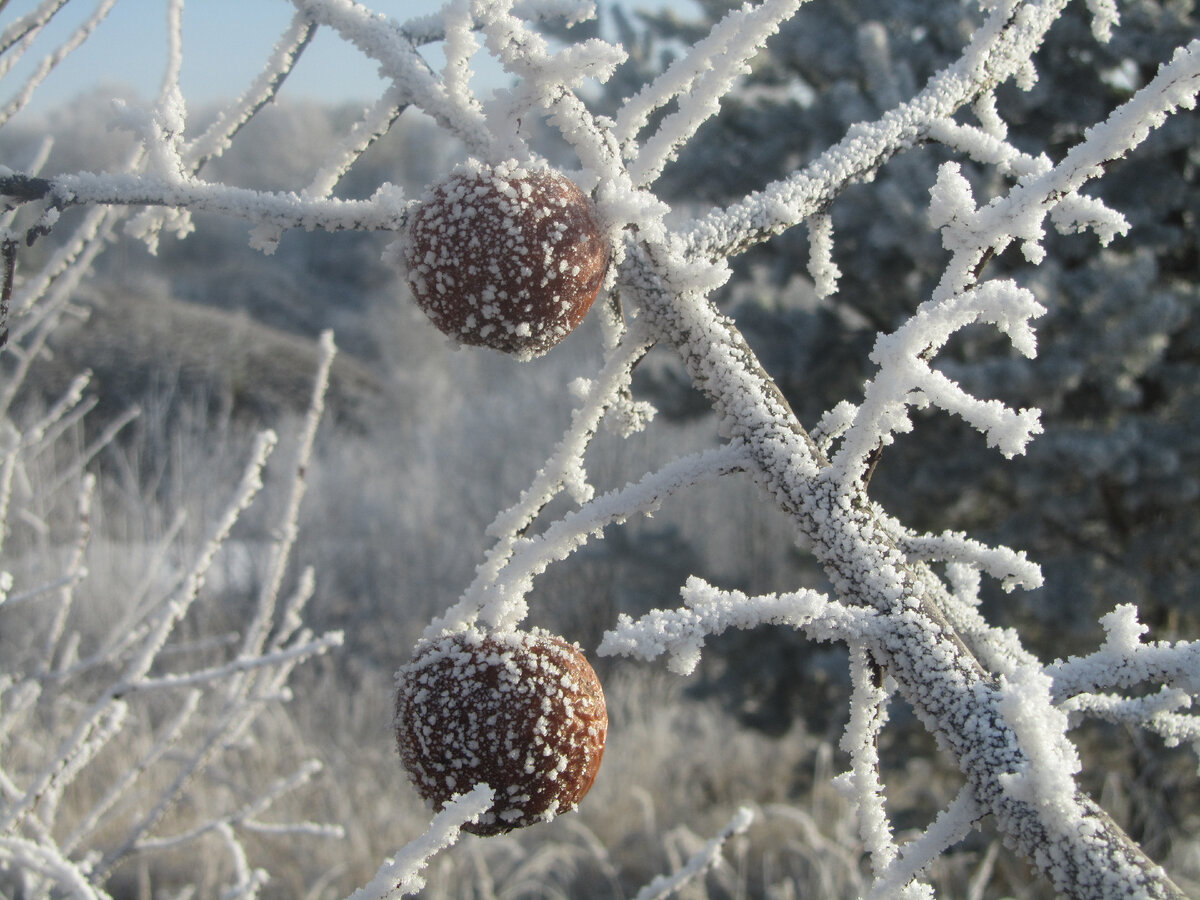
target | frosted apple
[
  {"x": 520, "y": 711},
  {"x": 506, "y": 256}
]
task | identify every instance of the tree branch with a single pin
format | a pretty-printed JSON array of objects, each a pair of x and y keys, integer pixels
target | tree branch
[
  {"x": 386, "y": 210},
  {"x": 8, "y": 249},
  {"x": 997, "y": 51},
  {"x": 957, "y": 699}
]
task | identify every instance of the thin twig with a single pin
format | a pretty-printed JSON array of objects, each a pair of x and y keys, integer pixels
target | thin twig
[{"x": 9, "y": 250}]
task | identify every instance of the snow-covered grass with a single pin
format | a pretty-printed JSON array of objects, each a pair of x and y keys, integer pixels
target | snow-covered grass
[{"x": 678, "y": 767}]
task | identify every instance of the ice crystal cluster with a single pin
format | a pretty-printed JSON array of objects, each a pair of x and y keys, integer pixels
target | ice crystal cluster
[{"x": 905, "y": 602}]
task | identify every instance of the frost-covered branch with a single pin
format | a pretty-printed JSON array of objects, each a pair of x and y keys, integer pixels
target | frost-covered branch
[
  {"x": 681, "y": 633},
  {"x": 1125, "y": 661},
  {"x": 868, "y": 716},
  {"x": 218, "y": 137},
  {"x": 907, "y": 604},
  {"x": 399, "y": 876},
  {"x": 999, "y": 51},
  {"x": 697, "y": 81},
  {"x": 500, "y": 602},
  {"x": 934, "y": 669},
  {"x": 72, "y": 852},
  {"x": 915, "y": 856},
  {"x": 25, "y": 29},
  {"x": 385, "y": 211},
  {"x": 706, "y": 857},
  {"x": 395, "y": 49},
  {"x": 562, "y": 471}
]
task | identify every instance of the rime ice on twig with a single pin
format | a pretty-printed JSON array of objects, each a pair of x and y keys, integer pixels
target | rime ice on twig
[
  {"x": 281, "y": 551},
  {"x": 25, "y": 29},
  {"x": 1158, "y": 713},
  {"x": 547, "y": 83},
  {"x": 697, "y": 81},
  {"x": 950, "y": 827},
  {"x": 862, "y": 784},
  {"x": 1012, "y": 568},
  {"x": 374, "y": 123},
  {"x": 906, "y": 378},
  {"x": 110, "y": 683},
  {"x": 563, "y": 470},
  {"x": 395, "y": 51},
  {"x": 399, "y": 876},
  {"x": 384, "y": 211},
  {"x": 821, "y": 266},
  {"x": 217, "y": 138},
  {"x": 1047, "y": 780},
  {"x": 500, "y": 601},
  {"x": 998, "y": 51},
  {"x": 1125, "y": 661},
  {"x": 984, "y": 146},
  {"x": 708, "y": 611},
  {"x": 705, "y": 858}
]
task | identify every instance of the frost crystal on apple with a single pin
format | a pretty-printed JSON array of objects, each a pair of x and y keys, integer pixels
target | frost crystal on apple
[
  {"x": 505, "y": 257},
  {"x": 521, "y": 712}
]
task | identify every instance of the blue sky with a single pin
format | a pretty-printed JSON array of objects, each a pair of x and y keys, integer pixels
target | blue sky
[{"x": 225, "y": 43}]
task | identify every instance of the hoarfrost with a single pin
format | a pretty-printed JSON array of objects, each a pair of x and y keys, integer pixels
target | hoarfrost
[{"x": 912, "y": 631}]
